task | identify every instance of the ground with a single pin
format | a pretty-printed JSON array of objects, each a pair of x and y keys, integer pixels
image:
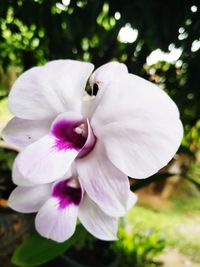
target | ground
[{"x": 173, "y": 258}]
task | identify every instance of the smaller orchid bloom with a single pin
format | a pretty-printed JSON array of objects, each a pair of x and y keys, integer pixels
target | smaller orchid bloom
[
  {"x": 131, "y": 128},
  {"x": 59, "y": 205}
]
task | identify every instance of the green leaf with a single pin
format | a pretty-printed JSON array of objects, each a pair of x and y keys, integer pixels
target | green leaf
[{"x": 36, "y": 250}]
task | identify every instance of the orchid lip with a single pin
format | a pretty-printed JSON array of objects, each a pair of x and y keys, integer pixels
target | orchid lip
[
  {"x": 68, "y": 193},
  {"x": 74, "y": 135},
  {"x": 69, "y": 135}
]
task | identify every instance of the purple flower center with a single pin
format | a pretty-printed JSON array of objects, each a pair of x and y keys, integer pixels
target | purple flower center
[
  {"x": 69, "y": 134},
  {"x": 67, "y": 194}
]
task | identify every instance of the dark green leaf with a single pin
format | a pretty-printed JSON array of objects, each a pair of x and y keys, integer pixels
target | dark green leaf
[{"x": 36, "y": 250}]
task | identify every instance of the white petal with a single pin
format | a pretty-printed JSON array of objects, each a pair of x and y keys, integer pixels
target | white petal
[
  {"x": 21, "y": 133},
  {"x": 29, "y": 199},
  {"x": 108, "y": 73},
  {"x": 49, "y": 158},
  {"x": 42, "y": 163},
  {"x": 96, "y": 221},
  {"x": 44, "y": 92},
  {"x": 89, "y": 107},
  {"x": 56, "y": 223},
  {"x": 17, "y": 177},
  {"x": 139, "y": 126},
  {"x": 103, "y": 76},
  {"x": 103, "y": 182},
  {"x": 132, "y": 200}
]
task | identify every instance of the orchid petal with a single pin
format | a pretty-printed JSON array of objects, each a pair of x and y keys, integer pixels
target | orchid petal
[
  {"x": 103, "y": 76},
  {"x": 96, "y": 221},
  {"x": 42, "y": 163},
  {"x": 21, "y": 133},
  {"x": 17, "y": 177},
  {"x": 56, "y": 223},
  {"x": 107, "y": 73},
  {"x": 44, "y": 92},
  {"x": 50, "y": 157},
  {"x": 132, "y": 200},
  {"x": 29, "y": 199},
  {"x": 88, "y": 107},
  {"x": 103, "y": 182},
  {"x": 143, "y": 137}
]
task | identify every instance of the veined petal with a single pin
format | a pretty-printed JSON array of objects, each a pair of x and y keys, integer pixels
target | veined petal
[
  {"x": 139, "y": 126},
  {"x": 20, "y": 132},
  {"x": 44, "y": 92},
  {"x": 42, "y": 163},
  {"x": 96, "y": 221},
  {"x": 103, "y": 182},
  {"x": 49, "y": 158},
  {"x": 29, "y": 199},
  {"x": 56, "y": 223}
]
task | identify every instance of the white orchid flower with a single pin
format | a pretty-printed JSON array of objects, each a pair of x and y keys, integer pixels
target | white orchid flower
[
  {"x": 60, "y": 204},
  {"x": 131, "y": 128}
]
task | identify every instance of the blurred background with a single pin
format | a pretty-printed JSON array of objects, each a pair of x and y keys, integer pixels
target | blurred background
[{"x": 158, "y": 40}]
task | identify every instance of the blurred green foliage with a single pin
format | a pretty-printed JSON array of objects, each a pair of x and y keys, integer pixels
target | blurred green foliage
[
  {"x": 178, "y": 226},
  {"x": 139, "y": 248}
]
